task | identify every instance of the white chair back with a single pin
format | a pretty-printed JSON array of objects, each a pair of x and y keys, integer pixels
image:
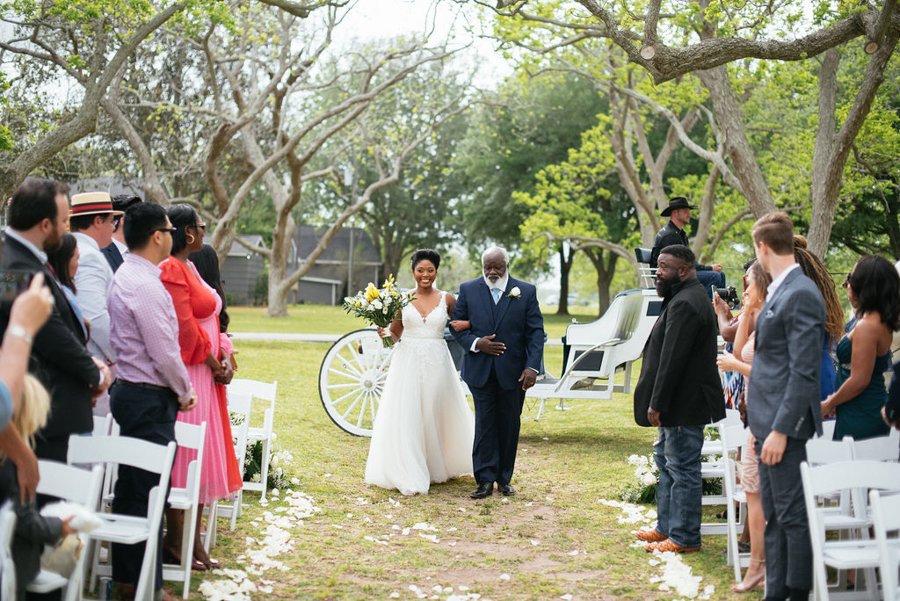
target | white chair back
[
  {"x": 149, "y": 457},
  {"x": 102, "y": 425},
  {"x": 886, "y": 519},
  {"x": 78, "y": 486},
  {"x": 881, "y": 448},
  {"x": 240, "y": 403}
]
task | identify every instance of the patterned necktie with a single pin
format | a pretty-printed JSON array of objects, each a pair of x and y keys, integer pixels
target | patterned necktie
[{"x": 495, "y": 292}]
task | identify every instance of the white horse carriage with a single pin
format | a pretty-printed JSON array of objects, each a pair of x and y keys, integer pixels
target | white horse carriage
[{"x": 597, "y": 360}]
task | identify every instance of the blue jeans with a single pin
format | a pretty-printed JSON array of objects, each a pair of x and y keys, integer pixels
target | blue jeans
[{"x": 679, "y": 500}]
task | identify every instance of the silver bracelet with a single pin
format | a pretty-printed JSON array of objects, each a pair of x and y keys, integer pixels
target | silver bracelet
[{"x": 19, "y": 332}]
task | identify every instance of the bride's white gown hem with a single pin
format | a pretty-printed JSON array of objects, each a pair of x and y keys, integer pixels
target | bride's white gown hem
[{"x": 424, "y": 429}]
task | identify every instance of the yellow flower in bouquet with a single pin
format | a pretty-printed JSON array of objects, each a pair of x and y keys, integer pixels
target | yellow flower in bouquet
[{"x": 378, "y": 306}]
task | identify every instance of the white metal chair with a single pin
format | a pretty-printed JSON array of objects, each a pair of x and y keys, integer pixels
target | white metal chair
[
  {"x": 267, "y": 392},
  {"x": 828, "y": 429},
  {"x": 126, "y": 529},
  {"x": 886, "y": 518},
  {"x": 241, "y": 404},
  {"x": 7, "y": 567},
  {"x": 78, "y": 486},
  {"x": 856, "y": 554},
  {"x": 188, "y": 436},
  {"x": 646, "y": 274}
]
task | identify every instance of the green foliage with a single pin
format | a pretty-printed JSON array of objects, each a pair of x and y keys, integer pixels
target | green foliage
[{"x": 529, "y": 125}]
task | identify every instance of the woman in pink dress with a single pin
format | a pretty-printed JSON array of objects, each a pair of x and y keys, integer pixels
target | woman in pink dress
[
  {"x": 206, "y": 355},
  {"x": 744, "y": 348}
]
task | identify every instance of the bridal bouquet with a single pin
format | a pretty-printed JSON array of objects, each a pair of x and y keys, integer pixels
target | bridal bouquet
[{"x": 378, "y": 306}]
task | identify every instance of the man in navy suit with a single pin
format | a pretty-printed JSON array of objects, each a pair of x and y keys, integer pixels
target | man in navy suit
[
  {"x": 784, "y": 404},
  {"x": 505, "y": 345}
]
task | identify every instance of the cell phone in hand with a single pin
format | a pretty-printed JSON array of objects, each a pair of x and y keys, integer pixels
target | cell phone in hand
[{"x": 12, "y": 284}]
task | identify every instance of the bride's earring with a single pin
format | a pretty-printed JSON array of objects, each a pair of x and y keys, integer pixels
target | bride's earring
[{"x": 190, "y": 239}]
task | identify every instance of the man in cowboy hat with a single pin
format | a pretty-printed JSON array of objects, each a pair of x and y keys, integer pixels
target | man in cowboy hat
[
  {"x": 92, "y": 220},
  {"x": 679, "y": 214}
]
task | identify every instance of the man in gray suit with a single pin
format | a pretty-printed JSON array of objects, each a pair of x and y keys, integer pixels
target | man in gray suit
[{"x": 784, "y": 406}]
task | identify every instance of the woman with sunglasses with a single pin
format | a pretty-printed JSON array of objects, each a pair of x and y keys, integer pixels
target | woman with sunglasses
[
  {"x": 873, "y": 288},
  {"x": 206, "y": 355}
]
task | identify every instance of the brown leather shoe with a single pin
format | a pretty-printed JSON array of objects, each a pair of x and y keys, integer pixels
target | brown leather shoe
[
  {"x": 669, "y": 545},
  {"x": 125, "y": 592},
  {"x": 650, "y": 536}
]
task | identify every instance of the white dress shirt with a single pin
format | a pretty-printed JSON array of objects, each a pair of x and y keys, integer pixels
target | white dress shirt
[
  {"x": 93, "y": 281},
  {"x": 780, "y": 279}
]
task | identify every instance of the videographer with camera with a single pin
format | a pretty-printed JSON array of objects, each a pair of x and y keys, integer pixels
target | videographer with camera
[{"x": 679, "y": 213}]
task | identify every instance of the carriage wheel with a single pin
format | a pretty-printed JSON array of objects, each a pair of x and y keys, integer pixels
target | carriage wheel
[{"x": 351, "y": 380}]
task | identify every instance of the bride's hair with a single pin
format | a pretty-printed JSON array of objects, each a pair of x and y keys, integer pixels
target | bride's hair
[{"x": 426, "y": 254}]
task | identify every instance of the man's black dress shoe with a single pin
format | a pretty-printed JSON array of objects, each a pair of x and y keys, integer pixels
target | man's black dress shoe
[
  {"x": 506, "y": 490},
  {"x": 484, "y": 490}
]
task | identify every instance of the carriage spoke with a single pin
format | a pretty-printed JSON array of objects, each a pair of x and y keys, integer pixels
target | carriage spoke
[
  {"x": 349, "y": 376},
  {"x": 336, "y": 401},
  {"x": 353, "y": 404}
]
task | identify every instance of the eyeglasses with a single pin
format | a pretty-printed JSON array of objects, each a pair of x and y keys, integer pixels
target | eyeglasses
[
  {"x": 846, "y": 283},
  {"x": 171, "y": 230},
  {"x": 200, "y": 225}
]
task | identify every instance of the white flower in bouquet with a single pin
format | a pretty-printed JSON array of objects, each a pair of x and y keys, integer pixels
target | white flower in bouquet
[
  {"x": 648, "y": 479},
  {"x": 379, "y": 306}
]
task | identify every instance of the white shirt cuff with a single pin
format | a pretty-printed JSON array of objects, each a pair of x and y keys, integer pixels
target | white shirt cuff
[{"x": 473, "y": 349}]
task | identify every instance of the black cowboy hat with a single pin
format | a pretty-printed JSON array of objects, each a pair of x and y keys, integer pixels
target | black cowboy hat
[{"x": 679, "y": 202}]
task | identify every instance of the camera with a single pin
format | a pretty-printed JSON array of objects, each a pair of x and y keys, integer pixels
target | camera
[{"x": 730, "y": 296}]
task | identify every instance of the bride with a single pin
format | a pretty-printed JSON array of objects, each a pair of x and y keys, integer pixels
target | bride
[{"x": 424, "y": 429}]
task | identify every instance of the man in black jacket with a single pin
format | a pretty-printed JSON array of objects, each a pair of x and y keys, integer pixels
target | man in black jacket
[
  {"x": 679, "y": 214},
  {"x": 679, "y": 392},
  {"x": 38, "y": 213}
]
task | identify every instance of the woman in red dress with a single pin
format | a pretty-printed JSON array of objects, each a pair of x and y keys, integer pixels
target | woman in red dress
[{"x": 206, "y": 354}]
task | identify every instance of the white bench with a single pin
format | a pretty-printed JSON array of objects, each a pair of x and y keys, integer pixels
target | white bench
[{"x": 597, "y": 351}]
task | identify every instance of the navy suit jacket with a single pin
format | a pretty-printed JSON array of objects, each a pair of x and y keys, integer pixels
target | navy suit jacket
[
  {"x": 113, "y": 256},
  {"x": 517, "y": 322},
  {"x": 784, "y": 392}
]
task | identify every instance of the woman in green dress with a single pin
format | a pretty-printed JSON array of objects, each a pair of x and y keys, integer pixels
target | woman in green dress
[{"x": 873, "y": 288}]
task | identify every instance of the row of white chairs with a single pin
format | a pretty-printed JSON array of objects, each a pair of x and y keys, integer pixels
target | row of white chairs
[{"x": 733, "y": 436}]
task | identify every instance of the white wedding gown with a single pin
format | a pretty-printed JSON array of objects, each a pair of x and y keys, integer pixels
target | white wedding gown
[{"x": 424, "y": 429}]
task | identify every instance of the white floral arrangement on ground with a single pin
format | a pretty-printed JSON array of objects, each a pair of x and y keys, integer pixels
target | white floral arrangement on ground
[
  {"x": 645, "y": 472},
  {"x": 378, "y": 306}
]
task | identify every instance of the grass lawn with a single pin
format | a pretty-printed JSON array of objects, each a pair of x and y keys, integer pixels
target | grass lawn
[{"x": 552, "y": 540}]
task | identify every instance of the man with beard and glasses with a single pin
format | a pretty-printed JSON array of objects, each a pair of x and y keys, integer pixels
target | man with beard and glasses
[
  {"x": 38, "y": 213},
  {"x": 679, "y": 392}
]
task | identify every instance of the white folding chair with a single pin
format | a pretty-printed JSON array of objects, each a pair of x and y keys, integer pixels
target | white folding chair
[
  {"x": 881, "y": 448},
  {"x": 828, "y": 429},
  {"x": 886, "y": 518},
  {"x": 856, "y": 554},
  {"x": 240, "y": 404},
  {"x": 7, "y": 567},
  {"x": 266, "y": 392},
  {"x": 102, "y": 424},
  {"x": 734, "y": 436},
  {"x": 126, "y": 529},
  {"x": 78, "y": 486},
  {"x": 188, "y": 436},
  {"x": 714, "y": 468}
]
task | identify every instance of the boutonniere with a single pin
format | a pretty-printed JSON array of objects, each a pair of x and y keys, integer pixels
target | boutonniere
[{"x": 515, "y": 293}]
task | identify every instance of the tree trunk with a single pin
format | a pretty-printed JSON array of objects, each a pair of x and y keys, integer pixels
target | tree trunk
[
  {"x": 829, "y": 184},
  {"x": 730, "y": 118},
  {"x": 281, "y": 251},
  {"x": 565, "y": 267},
  {"x": 606, "y": 270}
]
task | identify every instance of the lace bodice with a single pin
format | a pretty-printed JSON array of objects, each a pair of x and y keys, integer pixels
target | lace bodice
[{"x": 429, "y": 327}]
